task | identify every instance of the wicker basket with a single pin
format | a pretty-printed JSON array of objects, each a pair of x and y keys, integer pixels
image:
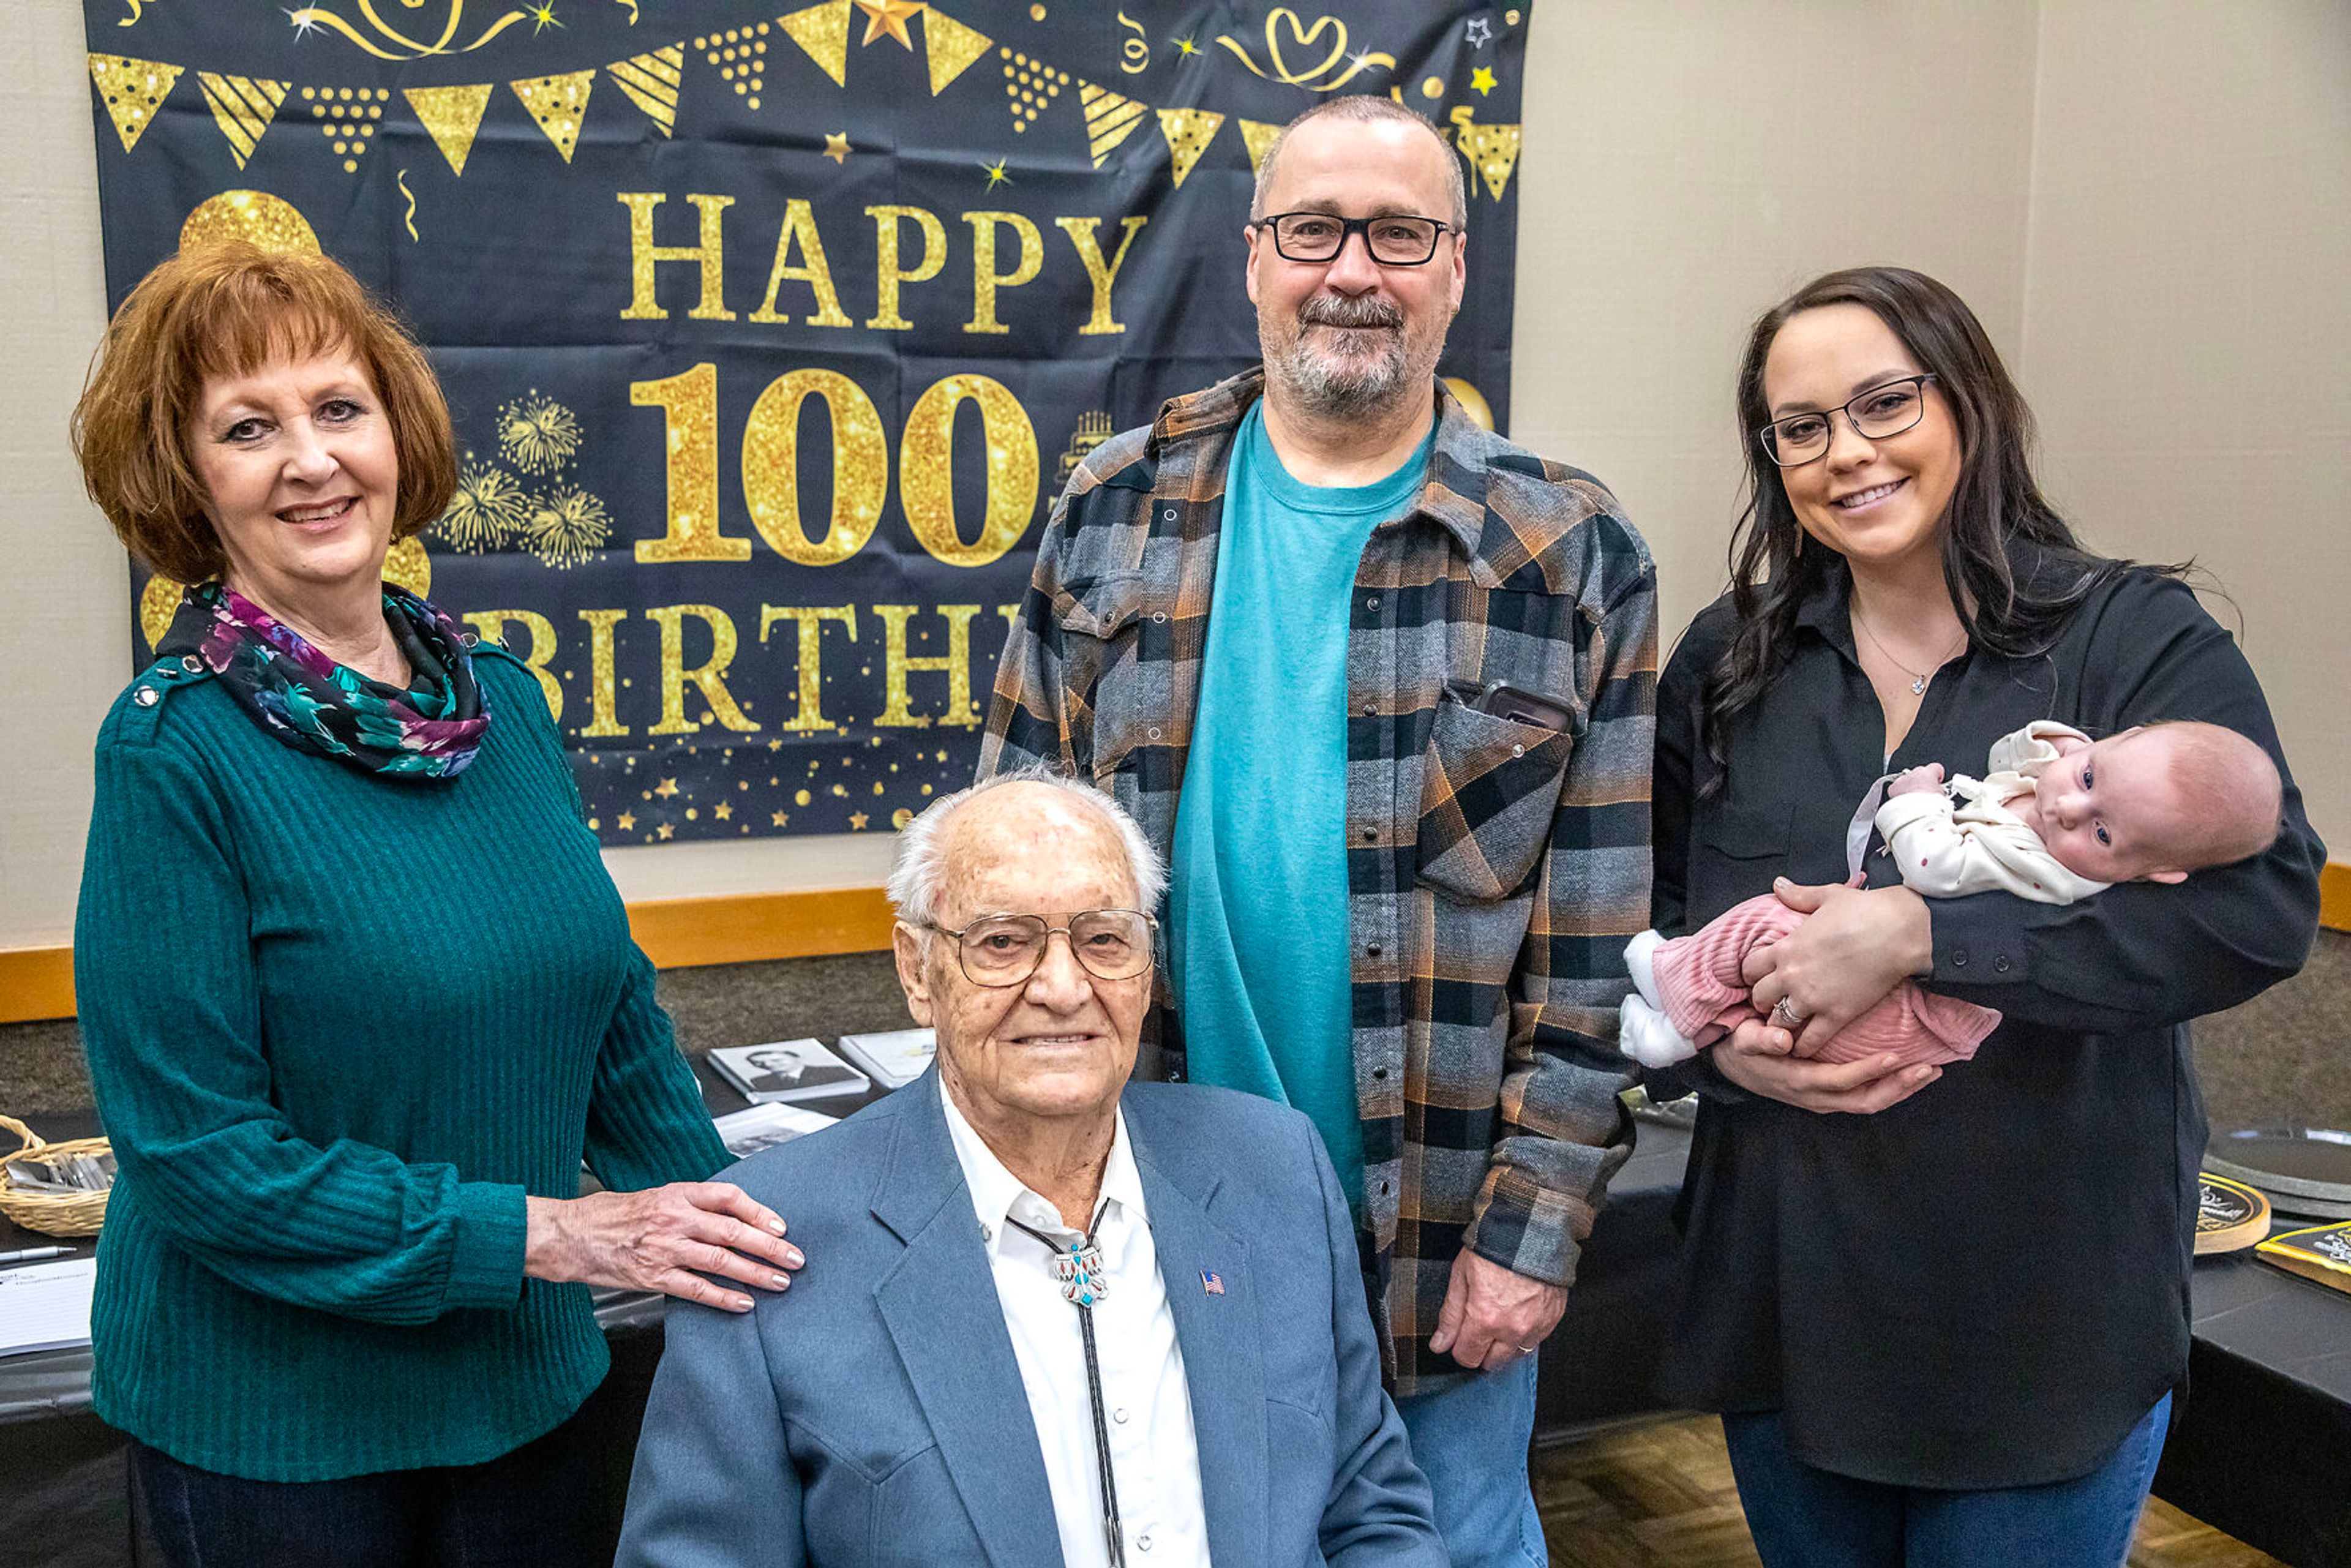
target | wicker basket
[{"x": 79, "y": 1214}]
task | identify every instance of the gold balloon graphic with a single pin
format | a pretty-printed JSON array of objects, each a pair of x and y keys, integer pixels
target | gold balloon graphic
[
  {"x": 405, "y": 566},
  {"x": 1473, "y": 402},
  {"x": 256, "y": 217}
]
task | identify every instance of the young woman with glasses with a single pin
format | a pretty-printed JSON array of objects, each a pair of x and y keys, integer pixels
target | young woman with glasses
[{"x": 1943, "y": 1327}]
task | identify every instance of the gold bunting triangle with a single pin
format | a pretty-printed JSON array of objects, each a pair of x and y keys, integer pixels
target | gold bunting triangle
[
  {"x": 451, "y": 115},
  {"x": 823, "y": 32},
  {"x": 134, "y": 91},
  {"x": 1258, "y": 136},
  {"x": 559, "y": 103},
  {"x": 242, "y": 108},
  {"x": 1109, "y": 119},
  {"x": 951, "y": 48},
  {"x": 1492, "y": 150},
  {"x": 1188, "y": 133},
  {"x": 651, "y": 81}
]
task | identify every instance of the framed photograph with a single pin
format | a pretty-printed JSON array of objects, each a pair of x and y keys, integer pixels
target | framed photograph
[{"x": 786, "y": 1070}]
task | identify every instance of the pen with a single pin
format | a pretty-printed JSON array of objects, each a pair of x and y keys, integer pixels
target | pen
[{"x": 29, "y": 1253}]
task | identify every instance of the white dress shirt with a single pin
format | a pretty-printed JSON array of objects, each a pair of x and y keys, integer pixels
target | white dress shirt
[{"x": 1154, "y": 1452}]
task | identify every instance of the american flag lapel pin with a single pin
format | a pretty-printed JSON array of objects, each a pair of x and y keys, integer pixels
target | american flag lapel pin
[{"x": 1211, "y": 1284}]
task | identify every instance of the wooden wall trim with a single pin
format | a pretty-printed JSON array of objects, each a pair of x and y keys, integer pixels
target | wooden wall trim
[
  {"x": 37, "y": 983},
  {"x": 746, "y": 928}
]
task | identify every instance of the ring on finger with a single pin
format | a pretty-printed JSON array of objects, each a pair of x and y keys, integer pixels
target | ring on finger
[{"x": 1786, "y": 1015}]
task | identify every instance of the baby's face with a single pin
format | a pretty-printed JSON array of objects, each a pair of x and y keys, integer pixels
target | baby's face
[{"x": 2104, "y": 807}]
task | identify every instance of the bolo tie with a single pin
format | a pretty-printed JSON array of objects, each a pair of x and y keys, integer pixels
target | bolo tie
[{"x": 1078, "y": 1269}]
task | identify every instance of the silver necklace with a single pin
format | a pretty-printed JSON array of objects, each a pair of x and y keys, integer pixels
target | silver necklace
[{"x": 1917, "y": 680}]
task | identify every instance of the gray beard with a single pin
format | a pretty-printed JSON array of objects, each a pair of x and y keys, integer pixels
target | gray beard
[{"x": 1351, "y": 389}]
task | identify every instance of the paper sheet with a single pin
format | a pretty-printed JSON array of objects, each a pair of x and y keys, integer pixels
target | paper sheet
[{"x": 46, "y": 1306}]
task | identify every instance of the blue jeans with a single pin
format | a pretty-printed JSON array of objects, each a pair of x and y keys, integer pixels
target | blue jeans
[
  {"x": 1808, "y": 1518},
  {"x": 1471, "y": 1442},
  {"x": 540, "y": 1506}
]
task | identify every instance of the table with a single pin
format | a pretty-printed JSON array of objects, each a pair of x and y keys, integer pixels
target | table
[{"x": 2261, "y": 1446}]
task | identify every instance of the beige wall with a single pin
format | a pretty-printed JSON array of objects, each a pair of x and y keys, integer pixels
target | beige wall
[
  {"x": 2187, "y": 318},
  {"x": 2149, "y": 204},
  {"x": 2155, "y": 198}
]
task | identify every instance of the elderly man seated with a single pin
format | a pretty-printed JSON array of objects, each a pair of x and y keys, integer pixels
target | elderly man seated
[{"x": 1048, "y": 1316}]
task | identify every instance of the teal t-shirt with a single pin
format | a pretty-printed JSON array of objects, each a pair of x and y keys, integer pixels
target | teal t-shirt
[{"x": 1257, "y": 889}]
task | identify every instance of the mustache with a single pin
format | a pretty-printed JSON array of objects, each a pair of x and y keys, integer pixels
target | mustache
[{"x": 1343, "y": 310}]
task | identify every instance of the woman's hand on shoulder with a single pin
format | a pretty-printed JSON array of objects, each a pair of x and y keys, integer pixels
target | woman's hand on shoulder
[
  {"x": 664, "y": 1239},
  {"x": 1856, "y": 945},
  {"x": 1751, "y": 1060}
]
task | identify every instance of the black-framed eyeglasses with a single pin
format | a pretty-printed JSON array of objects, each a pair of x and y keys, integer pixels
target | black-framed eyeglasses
[
  {"x": 1888, "y": 409},
  {"x": 1396, "y": 240},
  {"x": 1005, "y": 949}
]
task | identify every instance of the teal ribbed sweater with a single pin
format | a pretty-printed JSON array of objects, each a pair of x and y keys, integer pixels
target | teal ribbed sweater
[{"x": 339, "y": 1025}]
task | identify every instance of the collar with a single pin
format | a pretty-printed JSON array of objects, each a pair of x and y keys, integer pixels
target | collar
[
  {"x": 1460, "y": 458},
  {"x": 996, "y": 1193}
]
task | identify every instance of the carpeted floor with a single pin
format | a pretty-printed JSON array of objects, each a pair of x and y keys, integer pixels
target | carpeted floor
[{"x": 2285, "y": 1056}]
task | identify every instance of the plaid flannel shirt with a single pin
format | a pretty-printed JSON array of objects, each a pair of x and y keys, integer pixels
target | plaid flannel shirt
[{"x": 1495, "y": 869}]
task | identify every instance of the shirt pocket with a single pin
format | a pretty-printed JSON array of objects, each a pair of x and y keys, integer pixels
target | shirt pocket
[
  {"x": 1742, "y": 849},
  {"x": 1101, "y": 676},
  {"x": 1489, "y": 790}
]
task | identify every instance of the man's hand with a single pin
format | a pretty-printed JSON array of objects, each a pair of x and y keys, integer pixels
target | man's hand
[{"x": 1492, "y": 1316}]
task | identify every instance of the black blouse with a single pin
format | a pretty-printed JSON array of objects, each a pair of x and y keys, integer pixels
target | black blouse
[{"x": 1985, "y": 1285}]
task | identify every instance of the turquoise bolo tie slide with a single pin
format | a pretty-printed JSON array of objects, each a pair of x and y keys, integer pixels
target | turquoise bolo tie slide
[{"x": 1079, "y": 1271}]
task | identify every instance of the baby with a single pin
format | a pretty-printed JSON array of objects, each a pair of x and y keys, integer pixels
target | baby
[{"x": 2058, "y": 818}]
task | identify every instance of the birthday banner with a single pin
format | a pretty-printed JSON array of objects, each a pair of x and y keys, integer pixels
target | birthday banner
[{"x": 771, "y": 335}]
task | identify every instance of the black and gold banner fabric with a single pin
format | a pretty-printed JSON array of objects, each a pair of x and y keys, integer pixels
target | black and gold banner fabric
[{"x": 770, "y": 333}]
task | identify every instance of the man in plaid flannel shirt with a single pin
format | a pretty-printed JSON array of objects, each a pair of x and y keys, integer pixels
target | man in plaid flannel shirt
[{"x": 1448, "y": 738}]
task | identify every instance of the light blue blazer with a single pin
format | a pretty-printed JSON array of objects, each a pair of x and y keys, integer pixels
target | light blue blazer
[{"x": 873, "y": 1412}]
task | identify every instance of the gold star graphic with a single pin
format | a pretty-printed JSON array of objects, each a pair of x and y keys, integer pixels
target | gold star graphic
[
  {"x": 667, "y": 788},
  {"x": 995, "y": 174},
  {"x": 888, "y": 16},
  {"x": 722, "y": 810},
  {"x": 1187, "y": 48},
  {"x": 626, "y": 820},
  {"x": 779, "y": 817},
  {"x": 664, "y": 830},
  {"x": 836, "y": 147},
  {"x": 775, "y": 746},
  {"x": 1482, "y": 80},
  {"x": 542, "y": 17},
  {"x": 857, "y": 822}
]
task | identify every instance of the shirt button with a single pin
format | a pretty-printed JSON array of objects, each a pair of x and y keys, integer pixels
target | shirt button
[
  {"x": 1143, "y": 1542},
  {"x": 1155, "y": 732},
  {"x": 2000, "y": 965},
  {"x": 985, "y": 1233},
  {"x": 1169, "y": 515},
  {"x": 1373, "y": 949},
  {"x": 1371, "y": 601},
  {"x": 473, "y": 639},
  {"x": 1959, "y": 958},
  {"x": 146, "y": 696},
  {"x": 1379, "y": 1073},
  {"x": 1371, "y": 710},
  {"x": 1371, "y": 835},
  {"x": 190, "y": 664},
  {"x": 1159, "y": 617},
  {"x": 1119, "y": 1414},
  {"x": 1518, "y": 751}
]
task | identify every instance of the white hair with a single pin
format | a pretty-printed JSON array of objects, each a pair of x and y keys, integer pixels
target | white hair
[
  {"x": 1365, "y": 110},
  {"x": 921, "y": 866}
]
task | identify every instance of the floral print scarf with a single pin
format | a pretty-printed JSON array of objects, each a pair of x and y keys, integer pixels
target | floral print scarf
[{"x": 431, "y": 730}]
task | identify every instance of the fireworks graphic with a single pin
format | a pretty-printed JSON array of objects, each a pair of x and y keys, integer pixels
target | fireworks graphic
[
  {"x": 567, "y": 525},
  {"x": 487, "y": 511},
  {"x": 537, "y": 435}
]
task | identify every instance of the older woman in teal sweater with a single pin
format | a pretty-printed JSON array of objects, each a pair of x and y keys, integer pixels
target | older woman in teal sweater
[{"x": 356, "y": 990}]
